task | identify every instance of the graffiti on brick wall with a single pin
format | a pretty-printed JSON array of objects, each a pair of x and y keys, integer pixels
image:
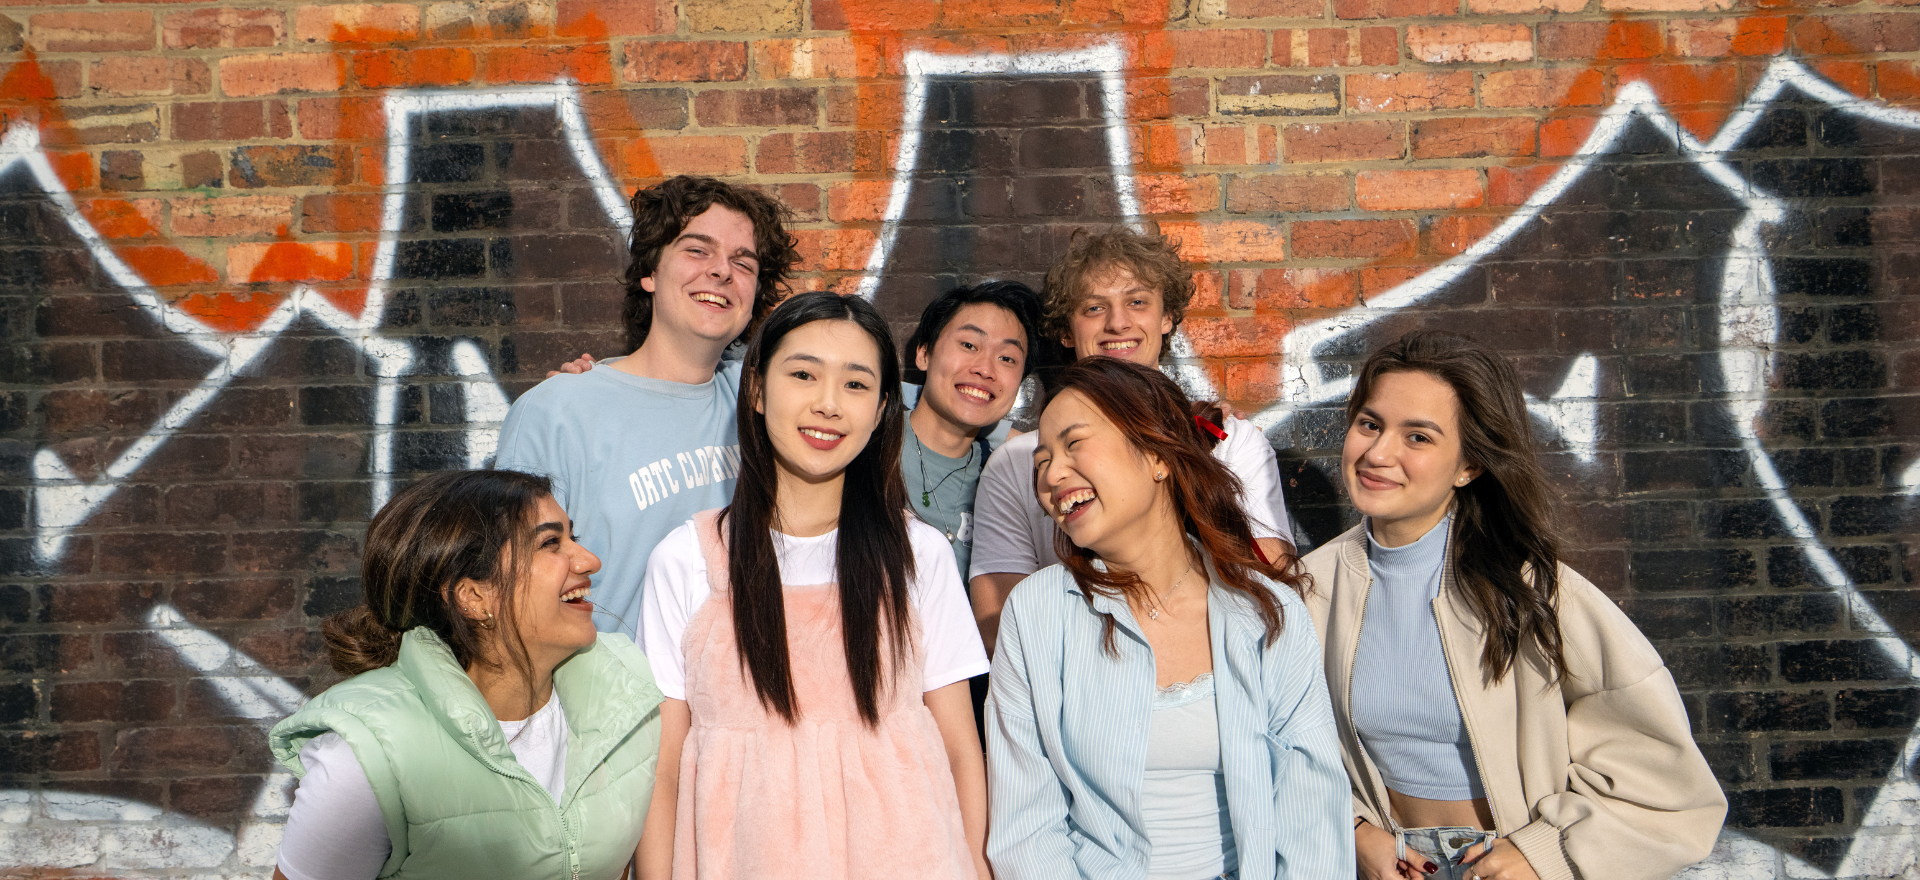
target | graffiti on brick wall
[{"x": 1729, "y": 343}]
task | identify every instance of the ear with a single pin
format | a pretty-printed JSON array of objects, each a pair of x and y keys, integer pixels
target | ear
[
  {"x": 646, "y": 284},
  {"x": 1166, "y": 322},
  {"x": 1156, "y": 466},
  {"x": 471, "y": 599},
  {"x": 1468, "y": 473},
  {"x": 920, "y": 358}
]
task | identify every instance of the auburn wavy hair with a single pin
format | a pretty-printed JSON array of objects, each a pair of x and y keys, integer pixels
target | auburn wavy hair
[{"x": 1157, "y": 419}]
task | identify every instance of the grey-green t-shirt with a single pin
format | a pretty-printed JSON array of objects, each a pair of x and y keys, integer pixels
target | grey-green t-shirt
[
  {"x": 631, "y": 459},
  {"x": 941, "y": 494}
]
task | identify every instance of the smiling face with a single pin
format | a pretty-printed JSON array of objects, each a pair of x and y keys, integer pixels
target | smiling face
[
  {"x": 1403, "y": 456},
  {"x": 552, "y": 611},
  {"x": 1117, "y": 315},
  {"x": 974, "y": 368},
  {"x": 1096, "y": 485},
  {"x": 705, "y": 282},
  {"x": 821, "y": 398}
]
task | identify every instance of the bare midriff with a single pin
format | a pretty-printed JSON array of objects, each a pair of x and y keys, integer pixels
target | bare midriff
[{"x": 1418, "y": 812}]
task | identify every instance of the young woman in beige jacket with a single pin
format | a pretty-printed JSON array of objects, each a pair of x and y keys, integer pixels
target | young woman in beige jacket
[{"x": 1500, "y": 718}]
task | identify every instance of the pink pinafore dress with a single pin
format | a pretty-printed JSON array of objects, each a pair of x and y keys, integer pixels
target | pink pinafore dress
[{"x": 825, "y": 797}]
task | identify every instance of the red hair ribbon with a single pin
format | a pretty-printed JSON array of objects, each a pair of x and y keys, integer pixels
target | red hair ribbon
[{"x": 1210, "y": 427}]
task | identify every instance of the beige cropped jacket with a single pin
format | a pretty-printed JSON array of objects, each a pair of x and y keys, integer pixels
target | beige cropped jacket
[{"x": 1593, "y": 775}]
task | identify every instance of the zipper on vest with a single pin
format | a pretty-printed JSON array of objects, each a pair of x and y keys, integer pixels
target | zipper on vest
[
  {"x": 1473, "y": 742},
  {"x": 566, "y": 828}
]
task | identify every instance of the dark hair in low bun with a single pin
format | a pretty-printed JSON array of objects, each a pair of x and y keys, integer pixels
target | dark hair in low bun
[{"x": 444, "y": 529}]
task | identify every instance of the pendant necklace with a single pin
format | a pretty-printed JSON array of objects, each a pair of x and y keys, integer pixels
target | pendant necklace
[
  {"x": 926, "y": 494},
  {"x": 1154, "y": 612}
]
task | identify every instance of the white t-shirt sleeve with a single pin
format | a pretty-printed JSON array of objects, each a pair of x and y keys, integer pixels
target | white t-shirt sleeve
[
  {"x": 1247, "y": 453},
  {"x": 954, "y": 651},
  {"x": 1003, "y": 510},
  {"x": 335, "y": 830},
  {"x": 674, "y": 588}
]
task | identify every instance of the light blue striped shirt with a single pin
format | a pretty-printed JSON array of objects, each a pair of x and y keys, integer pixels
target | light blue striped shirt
[{"x": 1067, "y": 739}]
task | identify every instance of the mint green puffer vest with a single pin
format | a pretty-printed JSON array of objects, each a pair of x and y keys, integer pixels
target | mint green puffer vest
[{"x": 457, "y": 805}]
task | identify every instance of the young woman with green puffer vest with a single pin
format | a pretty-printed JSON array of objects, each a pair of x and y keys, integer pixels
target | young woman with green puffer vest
[{"x": 488, "y": 730}]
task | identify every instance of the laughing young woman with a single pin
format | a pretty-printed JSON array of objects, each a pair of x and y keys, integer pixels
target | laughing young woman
[
  {"x": 813, "y": 639},
  {"x": 1157, "y": 707},
  {"x": 488, "y": 730},
  {"x": 1500, "y": 718}
]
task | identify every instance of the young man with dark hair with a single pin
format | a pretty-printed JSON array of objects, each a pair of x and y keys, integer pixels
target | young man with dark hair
[
  {"x": 974, "y": 347},
  {"x": 643, "y": 443},
  {"x": 1113, "y": 294}
]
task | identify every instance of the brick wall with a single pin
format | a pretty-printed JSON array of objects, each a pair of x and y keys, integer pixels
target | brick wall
[{"x": 259, "y": 261}]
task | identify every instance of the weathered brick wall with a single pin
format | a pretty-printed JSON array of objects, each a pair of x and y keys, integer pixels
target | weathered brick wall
[{"x": 260, "y": 261}]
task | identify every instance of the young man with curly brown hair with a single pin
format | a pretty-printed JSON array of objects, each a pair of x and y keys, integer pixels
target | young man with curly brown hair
[{"x": 643, "y": 443}]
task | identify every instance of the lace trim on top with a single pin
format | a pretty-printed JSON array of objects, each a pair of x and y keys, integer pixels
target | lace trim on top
[{"x": 1180, "y": 693}]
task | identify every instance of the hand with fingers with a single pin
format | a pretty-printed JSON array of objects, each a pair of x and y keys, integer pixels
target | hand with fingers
[
  {"x": 1503, "y": 862},
  {"x": 580, "y": 364},
  {"x": 1376, "y": 853}
]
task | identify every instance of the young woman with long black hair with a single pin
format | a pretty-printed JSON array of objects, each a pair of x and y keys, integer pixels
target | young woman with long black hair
[
  {"x": 813, "y": 640},
  {"x": 1157, "y": 708},
  {"x": 1500, "y": 718}
]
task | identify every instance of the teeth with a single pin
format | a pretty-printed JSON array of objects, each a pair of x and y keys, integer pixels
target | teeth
[
  {"x": 575, "y": 593},
  {"x": 1072, "y": 500},
  {"x": 975, "y": 393},
  {"x": 819, "y": 434},
  {"x": 1116, "y": 346},
  {"x": 710, "y": 298}
]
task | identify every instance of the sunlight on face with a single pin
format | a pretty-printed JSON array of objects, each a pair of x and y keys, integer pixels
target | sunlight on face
[{"x": 821, "y": 398}]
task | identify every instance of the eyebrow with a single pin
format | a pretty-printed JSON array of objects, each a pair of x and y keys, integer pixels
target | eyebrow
[
  {"x": 1063, "y": 433},
  {"x": 710, "y": 240},
  {"x": 1405, "y": 423},
  {"x": 550, "y": 527},
  {"x": 1020, "y": 343},
  {"x": 855, "y": 366}
]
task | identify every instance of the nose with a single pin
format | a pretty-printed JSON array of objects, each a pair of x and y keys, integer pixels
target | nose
[
  {"x": 584, "y": 561},
  {"x": 1118, "y": 320},
  {"x": 1380, "y": 451}
]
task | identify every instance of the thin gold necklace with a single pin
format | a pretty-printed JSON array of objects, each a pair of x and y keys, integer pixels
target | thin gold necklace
[{"x": 1158, "y": 602}]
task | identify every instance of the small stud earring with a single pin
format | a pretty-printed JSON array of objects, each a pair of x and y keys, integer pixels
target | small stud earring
[{"x": 1159, "y": 476}]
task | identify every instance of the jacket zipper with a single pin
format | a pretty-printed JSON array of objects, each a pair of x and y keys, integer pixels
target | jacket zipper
[
  {"x": 1473, "y": 742},
  {"x": 566, "y": 828}
]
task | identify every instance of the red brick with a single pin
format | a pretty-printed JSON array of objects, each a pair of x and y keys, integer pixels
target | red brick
[
  {"x": 231, "y": 216},
  {"x": 356, "y": 23},
  {"x": 1205, "y": 48},
  {"x": 1377, "y": 280},
  {"x": 124, "y": 218},
  {"x": 685, "y": 61},
  {"x": 277, "y": 165},
  {"x": 412, "y": 68},
  {"x": 667, "y": 156},
  {"x": 1473, "y": 137},
  {"x": 1544, "y": 88},
  {"x": 1666, "y": 5},
  {"x": 1161, "y": 194},
  {"x": 1409, "y": 92},
  {"x": 983, "y": 14},
  {"x": 1448, "y": 236},
  {"x": 130, "y": 75},
  {"x": 1475, "y": 44},
  {"x": 340, "y": 213},
  {"x": 1600, "y": 40},
  {"x": 1226, "y": 145},
  {"x": 1237, "y": 337},
  {"x": 625, "y": 18},
  {"x": 1258, "y": 381},
  {"x": 1352, "y": 239},
  {"x": 1300, "y": 288},
  {"x": 650, "y": 110},
  {"x": 262, "y": 262},
  {"x": 1421, "y": 190},
  {"x": 1227, "y": 241},
  {"x": 835, "y": 250},
  {"x": 1288, "y": 194},
  {"x": 1164, "y": 97},
  {"x": 1207, "y": 288},
  {"x": 812, "y": 58},
  {"x": 1564, "y": 136},
  {"x": 1721, "y": 37},
  {"x": 1898, "y": 80},
  {"x": 589, "y": 65},
  {"x": 219, "y": 121},
  {"x": 328, "y": 119},
  {"x": 222, "y": 29},
  {"x": 1117, "y": 12},
  {"x": 1853, "y": 76},
  {"x": 247, "y": 75},
  {"x": 852, "y": 201},
  {"x": 117, "y": 31},
  {"x": 1335, "y": 47},
  {"x": 756, "y": 107},
  {"x": 1352, "y": 9},
  {"x": 870, "y": 16},
  {"x": 1523, "y": 7},
  {"x": 1280, "y": 95},
  {"x": 815, "y": 152},
  {"x": 488, "y": 20},
  {"x": 121, "y": 701},
  {"x": 1681, "y": 85},
  {"x": 151, "y": 749},
  {"x": 1851, "y": 34},
  {"x": 1345, "y": 141}
]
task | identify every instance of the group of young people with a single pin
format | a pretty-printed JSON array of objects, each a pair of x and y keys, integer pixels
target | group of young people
[{"x": 832, "y": 596}]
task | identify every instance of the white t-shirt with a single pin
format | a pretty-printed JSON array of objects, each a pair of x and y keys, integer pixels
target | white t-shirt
[
  {"x": 335, "y": 830},
  {"x": 676, "y": 586},
  {"x": 1011, "y": 534}
]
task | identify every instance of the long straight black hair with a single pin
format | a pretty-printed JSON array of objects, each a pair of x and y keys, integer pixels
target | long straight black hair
[
  {"x": 874, "y": 559},
  {"x": 1505, "y": 549}
]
